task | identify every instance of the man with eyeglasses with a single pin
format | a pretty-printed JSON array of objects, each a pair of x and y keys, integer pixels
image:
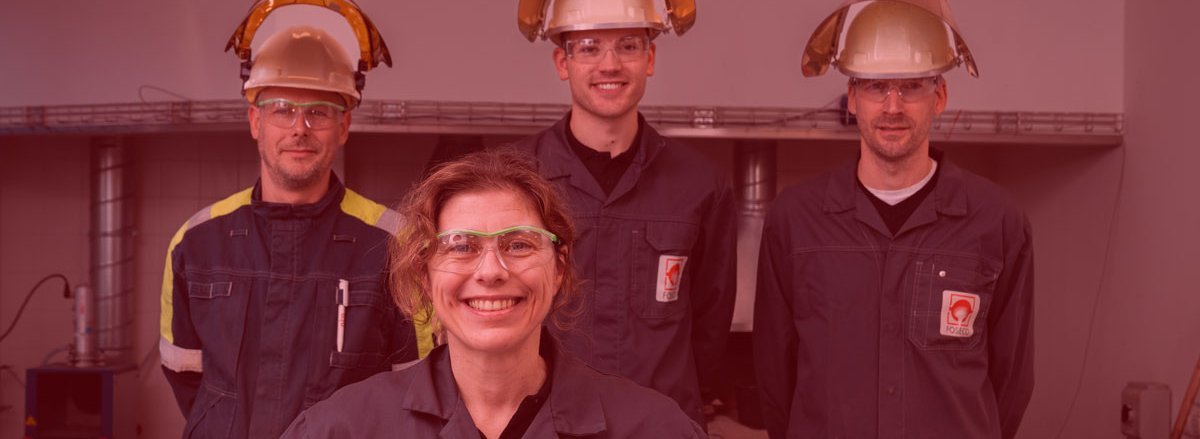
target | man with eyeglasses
[
  {"x": 895, "y": 292},
  {"x": 656, "y": 219},
  {"x": 276, "y": 296}
]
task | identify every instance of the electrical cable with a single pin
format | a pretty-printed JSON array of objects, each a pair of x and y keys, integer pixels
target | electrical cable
[
  {"x": 66, "y": 294},
  {"x": 159, "y": 89},
  {"x": 1087, "y": 345},
  {"x": 53, "y": 352},
  {"x": 9, "y": 369}
]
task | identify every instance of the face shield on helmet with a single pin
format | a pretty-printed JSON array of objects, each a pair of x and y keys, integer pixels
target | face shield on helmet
[
  {"x": 579, "y": 15},
  {"x": 888, "y": 39},
  {"x": 306, "y": 57}
]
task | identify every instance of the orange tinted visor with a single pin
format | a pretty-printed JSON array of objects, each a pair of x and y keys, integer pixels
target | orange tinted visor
[
  {"x": 682, "y": 14},
  {"x": 372, "y": 49},
  {"x": 531, "y": 14}
]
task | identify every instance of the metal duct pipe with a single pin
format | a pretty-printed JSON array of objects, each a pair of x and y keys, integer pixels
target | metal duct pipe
[
  {"x": 112, "y": 233},
  {"x": 754, "y": 176},
  {"x": 85, "y": 352}
]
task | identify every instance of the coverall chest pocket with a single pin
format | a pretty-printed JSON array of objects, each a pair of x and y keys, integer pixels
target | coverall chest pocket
[
  {"x": 661, "y": 280},
  {"x": 366, "y": 322},
  {"x": 949, "y": 302},
  {"x": 217, "y": 306}
]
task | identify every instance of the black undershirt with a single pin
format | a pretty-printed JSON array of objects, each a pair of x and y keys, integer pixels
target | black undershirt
[
  {"x": 531, "y": 405},
  {"x": 895, "y": 216},
  {"x": 607, "y": 170}
]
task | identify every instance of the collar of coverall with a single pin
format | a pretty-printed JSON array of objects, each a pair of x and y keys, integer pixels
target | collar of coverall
[
  {"x": 284, "y": 210},
  {"x": 651, "y": 144},
  {"x": 574, "y": 400},
  {"x": 948, "y": 196}
]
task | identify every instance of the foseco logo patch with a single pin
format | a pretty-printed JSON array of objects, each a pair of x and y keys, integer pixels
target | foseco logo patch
[
  {"x": 670, "y": 275},
  {"x": 958, "y": 313}
]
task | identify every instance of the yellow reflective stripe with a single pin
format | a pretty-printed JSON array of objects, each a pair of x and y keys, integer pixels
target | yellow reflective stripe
[
  {"x": 166, "y": 300},
  {"x": 424, "y": 328},
  {"x": 230, "y": 204},
  {"x": 364, "y": 209}
]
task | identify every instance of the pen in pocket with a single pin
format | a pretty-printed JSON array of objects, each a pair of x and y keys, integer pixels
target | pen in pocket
[{"x": 343, "y": 297}]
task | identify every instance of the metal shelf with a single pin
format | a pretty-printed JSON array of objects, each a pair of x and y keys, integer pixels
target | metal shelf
[{"x": 440, "y": 117}]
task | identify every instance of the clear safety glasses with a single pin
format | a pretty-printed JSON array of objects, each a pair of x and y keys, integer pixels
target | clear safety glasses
[
  {"x": 591, "y": 50},
  {"x": 317, "y": 114},
  {"x": 908, "y": 90},
  {"x": 517, "y": 248}
]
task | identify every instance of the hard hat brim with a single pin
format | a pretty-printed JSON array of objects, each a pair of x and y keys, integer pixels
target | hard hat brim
[{"x": 656, "y": 27}]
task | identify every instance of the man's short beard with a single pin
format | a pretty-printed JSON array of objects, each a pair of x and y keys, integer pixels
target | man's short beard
[
  {"x": 893, "y": 156},
  {"x": 917, "y": 136},
  {"x": 296, "y": 182}
]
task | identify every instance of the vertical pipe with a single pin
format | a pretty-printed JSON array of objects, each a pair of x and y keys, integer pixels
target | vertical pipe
[
  {"x": 754, "y": 175},
  {"x": 86, "y": 352},
  {"x": 112, "y": 233}
]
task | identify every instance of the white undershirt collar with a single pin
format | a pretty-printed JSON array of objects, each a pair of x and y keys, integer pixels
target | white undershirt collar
[{"x": 894, "y": 197}]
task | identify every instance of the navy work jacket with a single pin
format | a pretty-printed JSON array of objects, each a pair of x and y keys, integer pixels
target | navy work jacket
[
  {"x": 657, "y": 260},
  {"x": 422, "y": 401},
  {"x": 927, "y": 333},
  {"x": 250, "y": 309}
]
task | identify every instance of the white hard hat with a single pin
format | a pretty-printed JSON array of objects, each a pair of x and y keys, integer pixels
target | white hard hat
[
  {"x": 889, "y": 39},
  {"x": 578, "y": 15},
  {"x": 302, "y": 57}
]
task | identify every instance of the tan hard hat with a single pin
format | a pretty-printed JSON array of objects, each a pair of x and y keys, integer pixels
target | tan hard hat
[
  {"x": 889, "y": 39},
  {"x": 306, "y": 57},
  {"x": 302, "y": 57},
  {"x": 577, "y": 15}
]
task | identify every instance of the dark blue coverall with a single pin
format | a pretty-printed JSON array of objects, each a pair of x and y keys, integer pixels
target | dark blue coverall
[
  {"x": 657, "y": 260},
  {"x": 250, "y": 309},
  {"x": 854, "y": 334}
]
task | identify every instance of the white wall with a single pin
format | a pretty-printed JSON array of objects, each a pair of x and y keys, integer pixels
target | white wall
[
  {"x": 1034, "y": 55},
  {"x": 1146, "y": 326}
]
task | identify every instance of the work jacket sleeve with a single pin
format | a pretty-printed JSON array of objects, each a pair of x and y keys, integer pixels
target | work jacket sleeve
[
  {"x": 1010, "y": 355},
  {"x": 714, "y": 285},
  {"x": 178, "y": 346},
  {"x": 775, "y": 337}
]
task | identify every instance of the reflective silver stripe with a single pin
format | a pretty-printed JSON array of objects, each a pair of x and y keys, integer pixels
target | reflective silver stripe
[
  {"x": 390, "y": 221},
  {"x": 179, "y": 359},
  {"x": 199, "y": 217}
]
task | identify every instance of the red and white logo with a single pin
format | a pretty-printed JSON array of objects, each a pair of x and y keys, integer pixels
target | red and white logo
[
  {"x": 670, "y": 275},
  {"x": 958, "y": 313}
]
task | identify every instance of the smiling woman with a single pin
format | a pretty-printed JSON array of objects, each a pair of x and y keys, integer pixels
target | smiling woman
[{"x": 486, "y": 254}]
